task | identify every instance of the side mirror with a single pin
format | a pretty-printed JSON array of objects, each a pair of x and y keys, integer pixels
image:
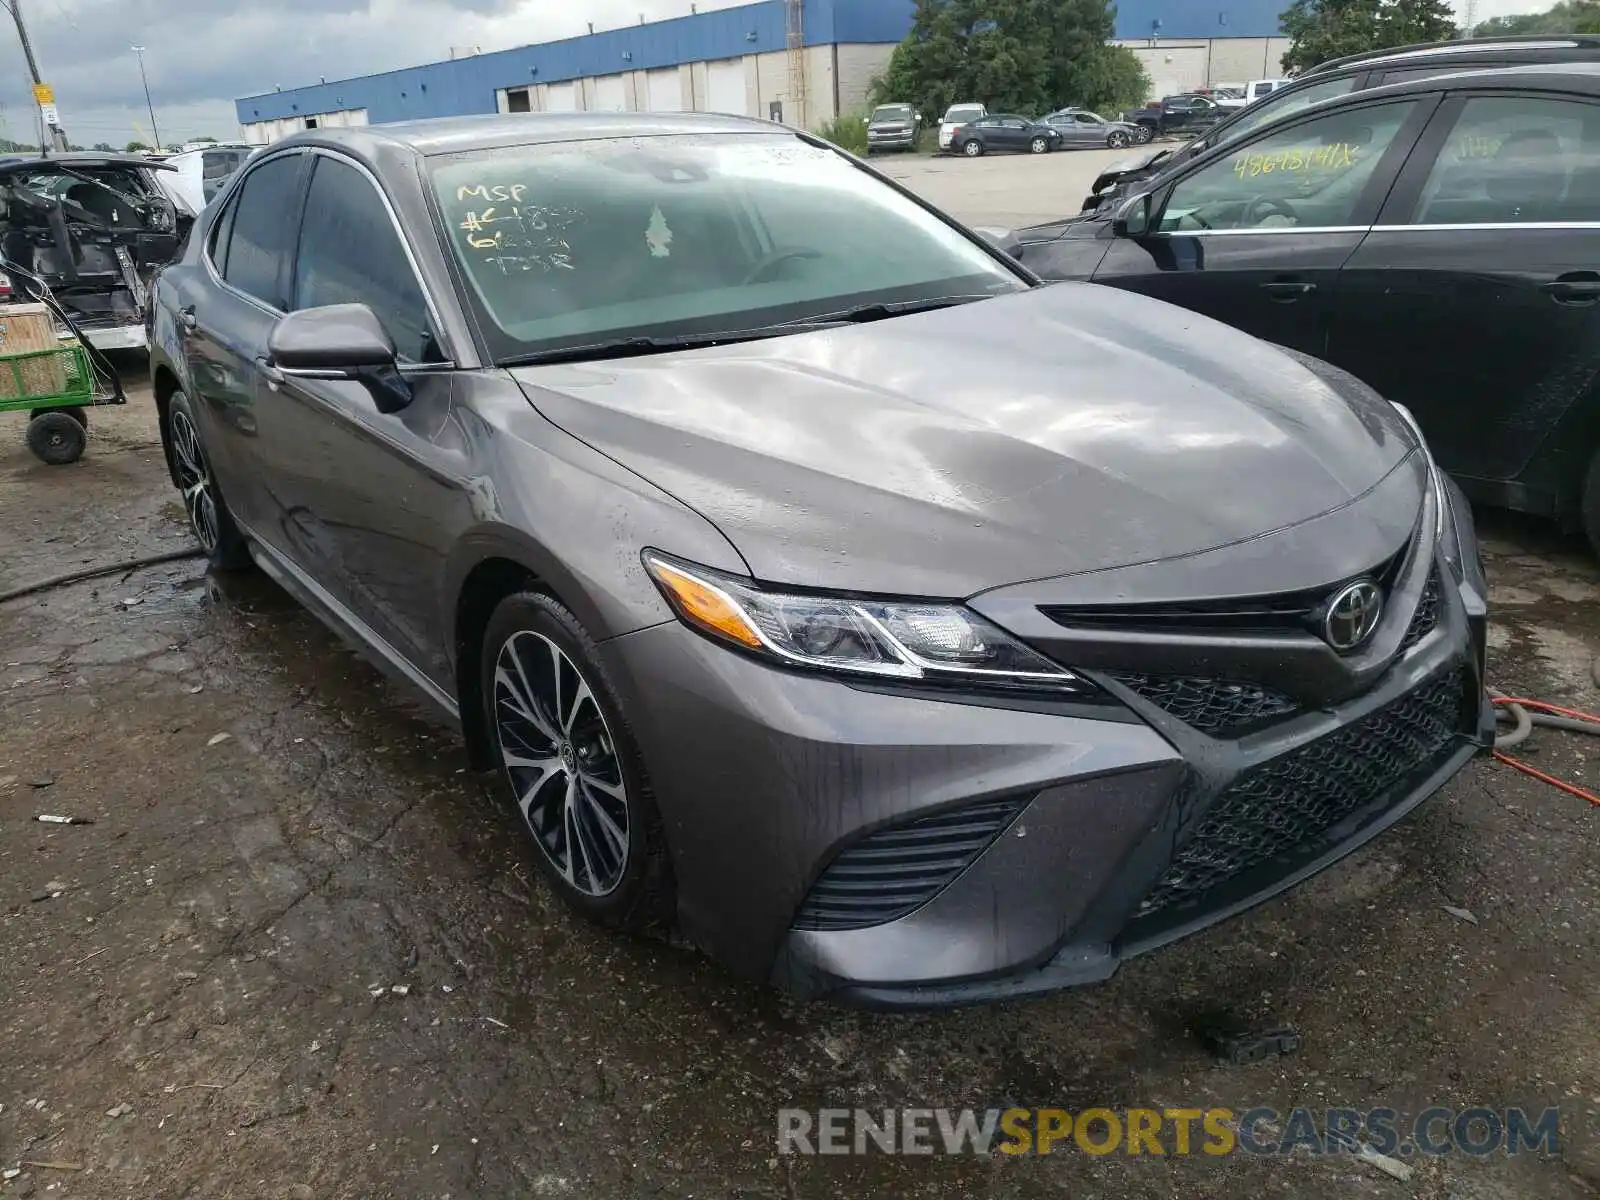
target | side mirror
[
  {"x": 338, "y": 341},
  {"x": 1004, "y": 240},
  {"x": 1133, "y": 218}
]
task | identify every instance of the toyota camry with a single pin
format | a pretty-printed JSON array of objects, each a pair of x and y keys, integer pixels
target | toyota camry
[{"x": 884, "y": 673}]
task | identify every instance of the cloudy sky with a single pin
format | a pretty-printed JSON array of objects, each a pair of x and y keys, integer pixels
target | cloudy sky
[{"x": 200, "y": 54}]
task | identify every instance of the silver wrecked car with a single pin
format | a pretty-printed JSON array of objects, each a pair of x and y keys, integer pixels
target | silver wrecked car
[{"x": 903, "y": 631}]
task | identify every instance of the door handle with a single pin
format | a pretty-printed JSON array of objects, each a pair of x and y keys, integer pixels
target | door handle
[
  {"x": 272, "y": 374},
  {"x": 1579, "y": 289},
  {"x": 186, "y": 317},
  {"x": 1287, "y": 291}
]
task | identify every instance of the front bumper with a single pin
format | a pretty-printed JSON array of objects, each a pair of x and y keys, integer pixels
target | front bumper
[
  {"x": 891, "y": 141},
  {"x": 1080, "y": 835}
]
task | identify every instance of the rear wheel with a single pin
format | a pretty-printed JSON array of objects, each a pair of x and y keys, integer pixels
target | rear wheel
[
  {"x": 972, "y": 148},
  {"x": 208, "y": 513},
  {"x": 571, "y": 765},
  {"x": 1117, "y": 140},
  {"x": 1039, "y": 145}
]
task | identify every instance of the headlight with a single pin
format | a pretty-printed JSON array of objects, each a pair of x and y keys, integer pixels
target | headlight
[{"x": 924, "y": 642}]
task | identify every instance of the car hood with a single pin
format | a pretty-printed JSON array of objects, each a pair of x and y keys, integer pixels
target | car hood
[{"x": 1066, "y": 429}]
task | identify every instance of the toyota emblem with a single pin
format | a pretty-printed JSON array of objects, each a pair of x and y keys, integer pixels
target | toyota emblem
[{"x": 1352, "y": 615}]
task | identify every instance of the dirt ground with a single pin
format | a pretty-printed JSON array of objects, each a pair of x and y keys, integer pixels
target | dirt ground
[{"x": 278, "y": 834}]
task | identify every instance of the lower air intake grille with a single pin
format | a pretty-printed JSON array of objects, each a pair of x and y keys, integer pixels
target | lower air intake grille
[
  {"x": 1284, "y": 806},
  {"x": 895, "y": 871},
  {"x": 1426, "y": 618},
  {"x": 1212, "y": 706}
]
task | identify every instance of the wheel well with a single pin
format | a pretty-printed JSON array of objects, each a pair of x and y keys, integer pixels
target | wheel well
[
  {"x": 488, "y": 583},
  {"x": 164, "y": 383}
]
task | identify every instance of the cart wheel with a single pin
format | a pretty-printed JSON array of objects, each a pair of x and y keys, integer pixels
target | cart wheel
[
  {"x": 80, "y": 415},
  {"x": 56, "y": 438}
]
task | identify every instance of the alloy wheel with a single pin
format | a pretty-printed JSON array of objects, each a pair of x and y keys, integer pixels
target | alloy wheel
[
  {"x": 194, "y": 481},
  {"x": 562, "y": 763},
  {"x": 1040, "y": 145},
  {"x": 1117, "y": 141},
  {"x": 972, "y": 149}
]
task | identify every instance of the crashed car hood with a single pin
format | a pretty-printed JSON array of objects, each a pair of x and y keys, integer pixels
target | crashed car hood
[{"x": 1069, "y": 428}]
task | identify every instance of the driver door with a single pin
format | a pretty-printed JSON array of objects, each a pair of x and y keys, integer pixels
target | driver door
[{"x": 1256, "y": 235}]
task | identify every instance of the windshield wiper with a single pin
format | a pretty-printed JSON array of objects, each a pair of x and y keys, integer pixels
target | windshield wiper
[
  {"x": 881, "y": 310},
  {"x": 640, "y": 345}
]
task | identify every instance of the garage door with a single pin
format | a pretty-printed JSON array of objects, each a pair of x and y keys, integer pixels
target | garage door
[
  {"x": 561, "y": 97},
  {"x": 725, "y": 92},
  {"x": 666, "y": 91},
  {"x": 610, "y": 94}
]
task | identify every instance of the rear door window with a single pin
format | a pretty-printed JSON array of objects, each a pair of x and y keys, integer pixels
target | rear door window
[
  {"x": 1516, "y": 160},
  {"x": 261, "y": 235}
]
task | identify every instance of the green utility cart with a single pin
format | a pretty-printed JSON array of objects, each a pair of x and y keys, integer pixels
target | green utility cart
[{"x": 57, "y": 384}]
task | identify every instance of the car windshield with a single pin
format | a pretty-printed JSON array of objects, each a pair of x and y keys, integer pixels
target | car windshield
[
  {"x": 892, "y": 112},
  {"x": 573, "y": 243},
  {"x": 963, "y": 112}
]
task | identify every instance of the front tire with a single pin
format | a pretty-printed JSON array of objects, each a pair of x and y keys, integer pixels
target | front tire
[
  {"x": 1117, "y": 140},
  {"x": 972, "y": 148},
  {"x": 1039, "y": 145},
  {"x": 209, "y": 519},
  {"x": 571, "y": 766},
  {"x": 1145, "y": 134}
]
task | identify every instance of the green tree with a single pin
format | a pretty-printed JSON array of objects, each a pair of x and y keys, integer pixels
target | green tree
[
  {"x": 104, "y": 147},
  {"x": 1026, "y": 56},
  {"x": 1322, "y": 29},
  {"x": 1570, "y": 16},
  {"x": 135, "y": 148}
]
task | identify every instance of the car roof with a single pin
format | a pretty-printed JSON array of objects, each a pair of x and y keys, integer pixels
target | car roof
[
  {"x": 80, "y": 159},
  {"x": 455, "y": 135},
  {"x": 1581, "y": 77},
  {"x": 1530, "y": 47}
]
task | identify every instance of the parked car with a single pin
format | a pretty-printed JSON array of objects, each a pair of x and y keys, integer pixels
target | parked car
[
  {"x": 197, "y": 175},
  {"x": 1438, "y": 239},
  {"x": 1005, "y": 131},
  {"x": 956, "y": 116},
  {"x": 1337, "y": 78},
  {"x": 1186, "y": 114},
  {"x": 1080, "y": 128},
  {"x": 95, "y": 228},
  {"x": 893, "y": 127},
  {"x": 1259, "y": 89},
  {"x": 637, "y": 445}
]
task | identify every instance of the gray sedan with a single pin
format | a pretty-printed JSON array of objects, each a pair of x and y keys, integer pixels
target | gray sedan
[
  {"x": 1082, "y": 129},
  {"x": 813, "y": 580}
]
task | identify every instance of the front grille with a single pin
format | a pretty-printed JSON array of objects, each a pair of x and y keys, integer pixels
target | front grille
[
  {"x": 1426, "y": 618},
  {"x": 1286, "y": 612},
  {"x": 1282, "y": 808},
  {"x": 1213, "y": 706},
  {"x": 895, "y": 871}
]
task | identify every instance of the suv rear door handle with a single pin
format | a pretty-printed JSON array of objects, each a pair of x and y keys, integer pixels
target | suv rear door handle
[
  {"x": 186, "y": 317},
  {"x": 1577, "y": 288},
  {"x": 1286, "y": 291}
]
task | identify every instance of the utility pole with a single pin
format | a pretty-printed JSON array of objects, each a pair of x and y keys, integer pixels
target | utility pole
[
  {"x": 155, "y": 131},
  {"x": 57, "y": 135},
  {"x": 1469, "y": 18}
]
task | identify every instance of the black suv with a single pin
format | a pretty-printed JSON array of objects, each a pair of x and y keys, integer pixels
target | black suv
[{"x": 1337, "y": 77}]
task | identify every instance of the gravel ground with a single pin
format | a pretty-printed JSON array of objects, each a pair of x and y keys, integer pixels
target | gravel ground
[{"x": 300, "y": 951}]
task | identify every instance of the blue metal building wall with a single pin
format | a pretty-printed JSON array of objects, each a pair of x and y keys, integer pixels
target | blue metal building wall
[{"x": 468, "y": 85}]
